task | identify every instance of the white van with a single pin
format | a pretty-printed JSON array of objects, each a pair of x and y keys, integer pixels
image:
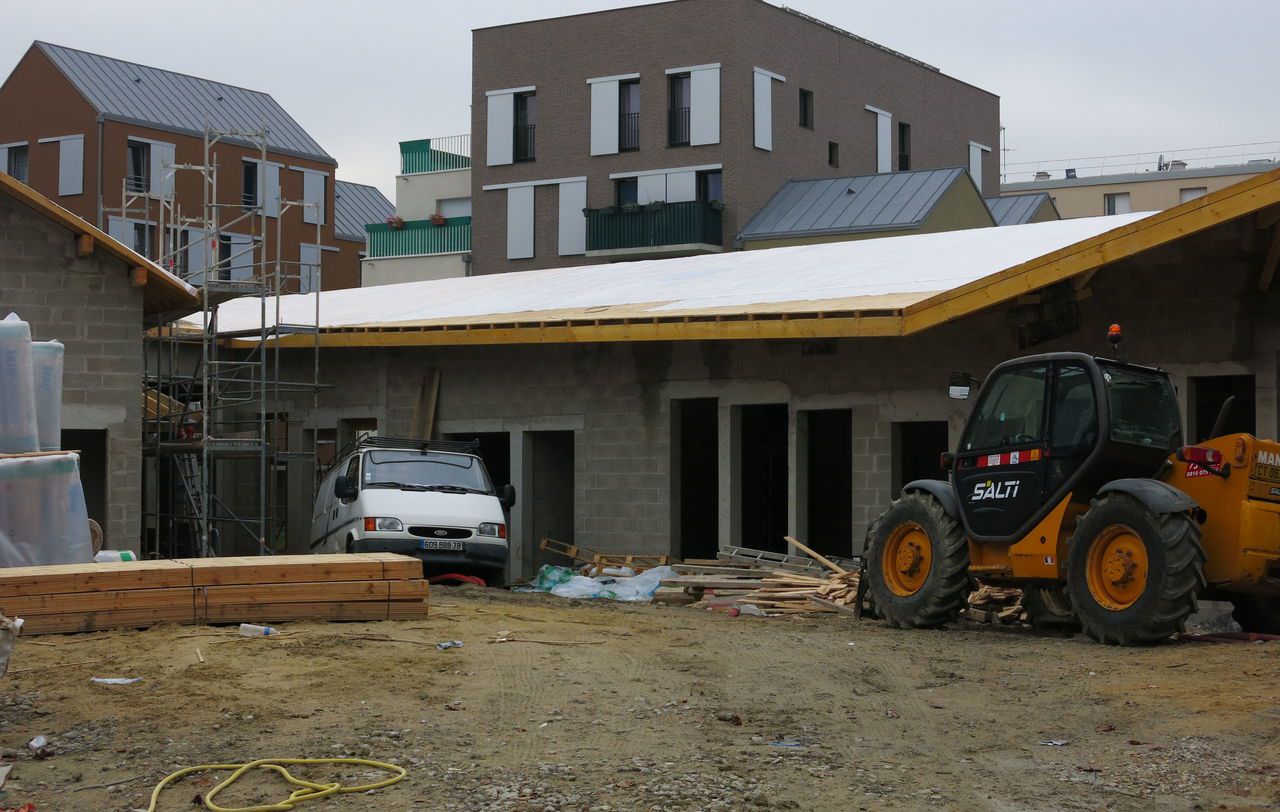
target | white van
[{"x": 415, "y": 498}]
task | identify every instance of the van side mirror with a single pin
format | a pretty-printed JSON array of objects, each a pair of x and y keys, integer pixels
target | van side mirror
[
  {"x": 960, "y": 385},
  {"x": 508, "y": 496},
  {"x": 344, "y": 488}
]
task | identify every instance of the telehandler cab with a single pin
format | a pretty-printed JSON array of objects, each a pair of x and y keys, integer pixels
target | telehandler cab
[{"x": 1071, "y": 482}]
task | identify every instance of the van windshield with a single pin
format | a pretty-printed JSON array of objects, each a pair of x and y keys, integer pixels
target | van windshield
[{"x": 411, "y": 470}]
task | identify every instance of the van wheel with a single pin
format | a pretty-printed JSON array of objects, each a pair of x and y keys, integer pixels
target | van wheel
[{"x": 351, "y": 544}]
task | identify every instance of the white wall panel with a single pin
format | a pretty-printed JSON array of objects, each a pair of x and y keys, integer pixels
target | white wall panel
[
  {"x": 520, "y": 222},
  {"x": 500, "y": 126},
  {"x": 704, "y": 101},
  {"x": 573, "y": 223},
  {"x": 71, "y": 165},
  {"x": 604, "y": 117},
  {"x": 682, "y": 187}
]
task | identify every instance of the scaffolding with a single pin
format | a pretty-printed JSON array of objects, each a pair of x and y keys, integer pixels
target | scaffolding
[{"x": 216, "y": 430}]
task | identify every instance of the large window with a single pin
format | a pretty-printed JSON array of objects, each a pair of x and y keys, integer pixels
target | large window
[
  {"x": 410, "y": 470},
  {"x": 1011, "y": 413},
  {"x": 711, "y": 186},
  {"x": 526, "y": 116},
  {"x": 679, "y": 96},
  {"x": 138, "y": 169},
  {"x": 17, "y": 165},
  {"x": 627, "y": 190},
  {"x": 1117, "y": 203},
  {"x": 1143, "y": 407},
  {"x": 806, "y": 108},
  {"x": 628, "y": 115},
  {"x": 904, "y": 147}
]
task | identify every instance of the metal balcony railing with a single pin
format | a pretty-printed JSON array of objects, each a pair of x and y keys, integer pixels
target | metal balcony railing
[
  {"x": 419, "y": 238},
  {"x": 656, "y": 224},
  {"x": 137, "y": 183},
  {"x": 435, "y": 154},
  {"x": 678, "y": 126},
  {"x": 525, "y": 142},
  {"x": 628, "y": 131}
]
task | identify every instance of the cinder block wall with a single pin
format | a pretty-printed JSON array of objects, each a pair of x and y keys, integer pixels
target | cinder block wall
[{"x": 89, "y": 306}]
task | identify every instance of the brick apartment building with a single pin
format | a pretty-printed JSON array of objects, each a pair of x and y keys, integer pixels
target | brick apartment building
[
  {"x": 98, "y": 135},
  {"x": 659, "y": 130}
]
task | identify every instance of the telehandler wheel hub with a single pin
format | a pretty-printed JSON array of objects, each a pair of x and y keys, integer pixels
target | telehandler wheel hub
[
  {"x": 907, "y": 558},
  {"x": 1116, "y": 567}
]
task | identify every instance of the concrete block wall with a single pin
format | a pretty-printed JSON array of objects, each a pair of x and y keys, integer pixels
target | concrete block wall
[{"x": 88, "y": 305}]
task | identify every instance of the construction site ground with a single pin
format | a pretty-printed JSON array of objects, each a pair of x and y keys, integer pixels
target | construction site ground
[{"x": 625, "y": 707}]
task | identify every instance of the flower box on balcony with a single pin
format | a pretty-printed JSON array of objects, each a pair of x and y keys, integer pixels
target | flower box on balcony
[
  {"x": 438, "y": 219},
  {"x": 395, "y": 221}
]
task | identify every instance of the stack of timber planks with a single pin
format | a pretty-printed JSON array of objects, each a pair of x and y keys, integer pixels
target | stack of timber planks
[
  {"x": 995, "y": 604},
  {"x": 251, "y": 589}
]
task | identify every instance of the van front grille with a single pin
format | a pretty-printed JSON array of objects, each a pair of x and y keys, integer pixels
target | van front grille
[{"x": 441, "y": 532}]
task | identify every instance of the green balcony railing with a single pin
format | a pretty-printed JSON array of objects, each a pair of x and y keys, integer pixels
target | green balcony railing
[
  {"x": 435, "y": 154},
  {"x": 654, "y": 225},
  {"x": 419, "y": 238}
]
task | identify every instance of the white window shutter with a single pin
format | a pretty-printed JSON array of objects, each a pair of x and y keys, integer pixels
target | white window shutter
[
  {"x": 975, "y": 162},
  {"x": 313, "y": 192},
  {"x": 308, "y": 263},
  {"x": 682, "y": 187},
  {"x": 884, "y": 139},
  {"x": 241, "y": 257},
  {"x": 573, "y": 223},
  {"x": 704, "y": 117},
  {"x": 269, "y": 188},
  {"x": 764, "y": 110},
  {"x": 604, "y": 118},
  {"x": 520, "y": 222},
  {"x": 650, "y": 188},
  {"x": 119, "y": 230},
  {"x": 162, "y": 158},
  {"x": 4, "y": 160},
  {"x": 197, "y": 255},
  {"x": 500, "y": 126},
  {"x": 71, "y": 165}
]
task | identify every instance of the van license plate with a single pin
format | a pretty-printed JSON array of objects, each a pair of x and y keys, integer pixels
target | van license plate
[{"x": 439, "y": 544}]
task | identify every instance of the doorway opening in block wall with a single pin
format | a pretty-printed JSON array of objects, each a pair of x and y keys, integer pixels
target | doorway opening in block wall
[
  {"x": 495, "y": 452},
  {"x": 1205, "y": 399},
  {"x": 695, "y": 475},
  {"x": 762, "y": 498},
  {"x": 917, "y": 452},
  {"x": 549, "y": 487},
  {"x": 92, "y": 445},
  {"x": 828, "y": 495}
]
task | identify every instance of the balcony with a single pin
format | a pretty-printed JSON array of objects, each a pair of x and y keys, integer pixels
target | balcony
[
  {"x": 654, "y": 230},
  {"x": 525, "y": 142},
  {"x": 419, "y": 238},
  {"x": 435, "y": 154},
  {"x": 678, "y": 126},
  {"x": 628, "y": 131}
]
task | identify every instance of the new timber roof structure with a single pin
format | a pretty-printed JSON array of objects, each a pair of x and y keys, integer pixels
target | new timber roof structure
[{"x": 884, "y": 287}]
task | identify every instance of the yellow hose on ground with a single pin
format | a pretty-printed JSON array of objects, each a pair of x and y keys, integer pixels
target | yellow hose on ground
[{"x": 309, "y": 790}]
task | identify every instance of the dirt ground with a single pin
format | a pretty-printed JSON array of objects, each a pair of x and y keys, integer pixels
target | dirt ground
[{"x": 657, "y": 708}]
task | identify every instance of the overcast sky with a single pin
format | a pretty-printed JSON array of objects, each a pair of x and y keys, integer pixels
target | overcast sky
[{"x": 1077, "y": 78}]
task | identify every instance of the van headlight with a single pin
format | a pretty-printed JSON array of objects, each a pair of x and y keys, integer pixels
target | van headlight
[
  {"x": 495, "y": 530},
  {"x": 373, "y": 523}
]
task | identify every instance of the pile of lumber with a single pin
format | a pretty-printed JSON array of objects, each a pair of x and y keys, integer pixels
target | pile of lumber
[
  {"x": 268, "y": 589},
  {"x": 995, "y": 604}
]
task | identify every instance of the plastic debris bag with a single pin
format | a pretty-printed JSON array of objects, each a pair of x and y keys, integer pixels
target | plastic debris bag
[
  {"x": 641, "y": 587},
  {"x": 580, "y": 586},
  {"x": 549, "y": 576}
]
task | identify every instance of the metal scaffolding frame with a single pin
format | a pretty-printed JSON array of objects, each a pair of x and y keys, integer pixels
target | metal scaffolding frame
[{"x": 212, "y": 410}]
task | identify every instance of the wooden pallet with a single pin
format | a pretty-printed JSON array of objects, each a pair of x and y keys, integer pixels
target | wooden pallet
[
  {"x": 87, "y": 597},
  {"x": 586, "y": 556}
]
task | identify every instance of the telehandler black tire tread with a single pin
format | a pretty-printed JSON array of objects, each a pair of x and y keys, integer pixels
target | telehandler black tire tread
[
  {"x": 1049, "y": 609},
  {"x": 1256, "y": 613},
  {"x": 946, "y": 587},
  {"x": 1175, "y": 573}
]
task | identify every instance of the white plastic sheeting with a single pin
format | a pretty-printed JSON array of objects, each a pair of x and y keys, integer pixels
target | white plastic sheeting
[
  {"x": 43, "y": 519},
  {"x": 892, "y": 271},
  {"x": 46, "y": 366},
  {"x": 19, "y": 429}
]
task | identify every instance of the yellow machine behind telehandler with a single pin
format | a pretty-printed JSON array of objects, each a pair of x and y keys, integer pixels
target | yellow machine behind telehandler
[{"x": 1071, "y": 482}]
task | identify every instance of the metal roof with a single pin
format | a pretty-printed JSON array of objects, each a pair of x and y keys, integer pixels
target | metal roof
[
  {"x": 355, "y": 206},
  {"x": 127, "y": 91},
  {"x": 1015, "y": 210},
  {"x": 1253, "y": 168},
  {"x": 885, "y": 202}
]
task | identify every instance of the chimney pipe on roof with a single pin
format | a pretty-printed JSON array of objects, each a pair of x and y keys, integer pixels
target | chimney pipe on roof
[{"x": 1042, "y": 175}]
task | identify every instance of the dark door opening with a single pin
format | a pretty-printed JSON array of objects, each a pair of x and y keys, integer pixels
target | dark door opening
[
  {"x": 92, "y": 445},
  {"x": 695, "y": 468},
  {"x": 917, "y": 451},
  {"x": 1207, "y": 396},
  {"x": 763, "y": 499},
  {"x": 495, "y": 450},
  {"x": 829, "y": 498},
  {"x": 550, "y": 493}
]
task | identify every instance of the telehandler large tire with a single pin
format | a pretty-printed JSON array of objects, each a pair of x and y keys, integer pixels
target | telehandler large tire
[
  {"x": 1133, "y": 575},
  {"x": 1049, "y": 609},
  {"x": 918, "y": 563},
  {"x": 1256, "y": 613}
]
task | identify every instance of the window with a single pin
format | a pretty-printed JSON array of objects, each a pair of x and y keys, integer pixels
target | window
[
  {"x": 1116, "y": 203},
  {"x": 628, "y": 115},
  {"x": 455, "y": 207},
  {"x": 144, "y": 238},
  {"x": 679, "y": 96},
  {"x": 249, "y": 175},
  {"x": 904, "y": 147},
  {"x": 806, "y": 108},
  {"x": 1144, "y": 408},
  {"x": 711, "y": 186},
  {"x": 627, "y": 190},
  {"x": 833, "y": 154},
  {"x": 526, "y": 116},
  {"x": 408, "y": 470},
  {"x": 1011, "y": 412},
  {"x": 16, "y": 164},
  {"x": 1073, "y": 428},
  {"x": 1192, "y": 193},
  {"x": 138, "y": 168},
  {"x": 181, "y": 263},
  {"x": 224, "y": 257}
]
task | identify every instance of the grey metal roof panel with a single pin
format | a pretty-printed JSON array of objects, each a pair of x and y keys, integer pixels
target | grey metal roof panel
[
  {"x": 1014, "y": 210},
  {"x": 853, "y": 204},
  {"x": 356, "y": 206},
  {"x": 175, "y": 101},
  {"x": 1254, "y": 168}
]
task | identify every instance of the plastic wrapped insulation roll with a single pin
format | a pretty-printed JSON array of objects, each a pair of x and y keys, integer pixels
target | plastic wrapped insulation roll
[
  {"x": 19, "y": 430},
  {"x": 43, "y": 519},
  {"x": 46, "y": 365}
]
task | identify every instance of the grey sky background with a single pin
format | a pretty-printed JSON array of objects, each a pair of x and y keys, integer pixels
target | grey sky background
[{"x": 1076, "y": 78}]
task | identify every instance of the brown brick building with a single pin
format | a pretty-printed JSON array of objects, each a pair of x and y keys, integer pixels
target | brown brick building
[
  {"x": 99, "y": 135},
  {"x": 671, "y": 124}
]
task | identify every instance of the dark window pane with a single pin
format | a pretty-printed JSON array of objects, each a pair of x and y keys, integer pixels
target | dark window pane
[
  {"x": 628, "y": 191},
  {"x": 806, "y": 108},
  {"x": 710, "y": 186},
  {"x": 904, "y": 147},
  {"x": 1011, "y": 412}
]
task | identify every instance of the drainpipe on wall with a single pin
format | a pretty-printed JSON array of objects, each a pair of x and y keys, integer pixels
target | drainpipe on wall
[{"x": 100, "y": 148}]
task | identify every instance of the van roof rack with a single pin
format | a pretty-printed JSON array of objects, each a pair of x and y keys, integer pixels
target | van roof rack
[{"x": 366, "y": 440}]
